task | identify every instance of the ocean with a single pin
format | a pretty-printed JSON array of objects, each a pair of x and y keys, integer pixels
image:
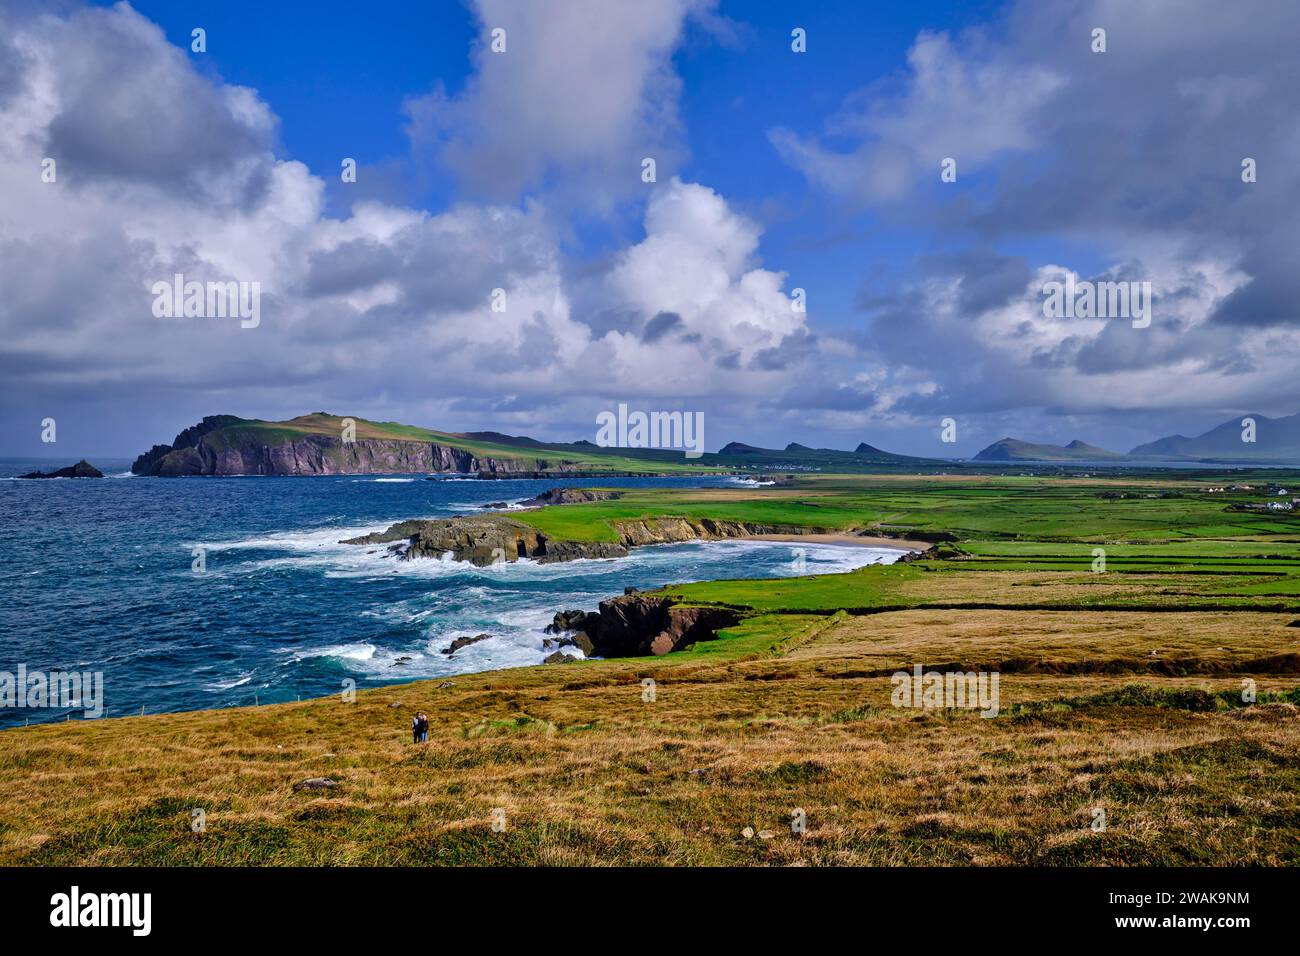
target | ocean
[{"x": 96, "y": 576}]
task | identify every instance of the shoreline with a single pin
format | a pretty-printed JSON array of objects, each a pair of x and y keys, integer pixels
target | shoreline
[{"x": 904, "y": 545}]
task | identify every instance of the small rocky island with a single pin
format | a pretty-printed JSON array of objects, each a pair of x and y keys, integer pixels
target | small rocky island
[{"x": 82, "y": 469}]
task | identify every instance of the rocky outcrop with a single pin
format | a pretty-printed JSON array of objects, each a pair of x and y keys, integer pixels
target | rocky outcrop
[
  {"x": 565, "y": 621},
  {"x": 642, "y": 531},
  {"x": 571, "y": 496},
  {"x": 573, "y": 626},
  {"x": 464, "y": 641},
  {"x": 484, "y": 540},
  {"x": 493, "y": 538},
  {"x": 82, "y": 469},
  {"x": 638, "y": 625}
]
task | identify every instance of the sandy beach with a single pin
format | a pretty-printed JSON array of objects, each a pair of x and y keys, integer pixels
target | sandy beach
[{"x": 859, "y": 541}]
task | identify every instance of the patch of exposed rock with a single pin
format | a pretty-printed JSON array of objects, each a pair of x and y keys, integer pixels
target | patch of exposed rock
[
  {"x": 571, "y": 496},
  {"x": 464, "y": 641},
  {"x": 484, "y": 540},
  {"x": 493, "y": 538},
  {"x": 638, "y": 625},
  {"x": 641, "y": 531}
]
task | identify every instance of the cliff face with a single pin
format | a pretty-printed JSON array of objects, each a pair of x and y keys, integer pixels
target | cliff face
[{"x": 324, "y": 455}]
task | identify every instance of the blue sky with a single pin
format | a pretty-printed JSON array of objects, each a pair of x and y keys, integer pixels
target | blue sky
[
  {"x": 778, "y": 171},
  {"x": 338, "y": 79}
]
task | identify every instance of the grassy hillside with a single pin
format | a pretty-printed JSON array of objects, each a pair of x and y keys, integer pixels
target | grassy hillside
[
  {"x": 1012, "y": 449},
  {"x": 1121, "y": 691}
]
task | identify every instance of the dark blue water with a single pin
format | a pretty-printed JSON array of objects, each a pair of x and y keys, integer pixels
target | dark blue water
[{"x": 95, "y": 575}]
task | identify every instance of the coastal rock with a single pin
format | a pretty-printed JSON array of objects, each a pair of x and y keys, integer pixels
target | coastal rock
[
  {"x": 643, "y": 531},
  {"x": 570, "y": 496},
  {"x": 568, "y": 621},
  {"x": 493, "y": 538},
  {"x": 484, "y": 540},
  {"x": 316, "y": 783},
  {"x": 464, "y": 641},
  {"x": 640, "y": 625},
  {"x": 82, "y": 469},
  {"x": 559, "y": 657}
]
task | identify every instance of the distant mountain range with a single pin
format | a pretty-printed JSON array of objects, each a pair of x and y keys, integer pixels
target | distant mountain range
[
  {"x": 1275, "y": 440},
  {"x": 795, "y": 454}
]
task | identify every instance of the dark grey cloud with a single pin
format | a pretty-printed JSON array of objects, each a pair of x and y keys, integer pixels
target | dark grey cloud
[
  {"x": 829, "y": 396},
  {"x": 133, "y": 109},
  {"x": 792, "y": 350},
  {"x": 660, "y": 325}
]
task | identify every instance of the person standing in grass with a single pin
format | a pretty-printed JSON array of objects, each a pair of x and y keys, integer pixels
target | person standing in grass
[{"x": 420, "y": 727}]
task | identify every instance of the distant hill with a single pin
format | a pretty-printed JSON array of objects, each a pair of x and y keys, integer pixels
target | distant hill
[
  {"x": 795, "y": 455},
  {"x": 1276, "y": 439},
  {"x": 1012, "y": 449}
]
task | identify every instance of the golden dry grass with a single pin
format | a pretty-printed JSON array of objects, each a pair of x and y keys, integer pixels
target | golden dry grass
[{"x": 587, "y": 772}]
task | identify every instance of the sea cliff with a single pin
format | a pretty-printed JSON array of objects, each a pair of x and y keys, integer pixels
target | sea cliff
[{"x": 315, "y": 445}]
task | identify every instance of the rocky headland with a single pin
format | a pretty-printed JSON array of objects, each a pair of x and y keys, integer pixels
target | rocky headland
[
  {"x": 493, "y": 538},
  {"x": 314, "y": 445}
]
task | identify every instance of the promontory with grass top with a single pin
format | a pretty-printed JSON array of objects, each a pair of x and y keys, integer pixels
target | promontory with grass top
[
  {"x": 1144, "y": 628},
  {"x": 324, "y": 444}
]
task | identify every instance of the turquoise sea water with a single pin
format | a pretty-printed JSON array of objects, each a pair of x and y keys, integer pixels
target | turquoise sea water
[{"x": 95, "y": 575}]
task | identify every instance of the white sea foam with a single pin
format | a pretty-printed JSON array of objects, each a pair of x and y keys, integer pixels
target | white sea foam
[
  {"x": 359, "y": 653},
  {"x": 513, "y": 601},
  {"x": 220, "y": 685}
]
